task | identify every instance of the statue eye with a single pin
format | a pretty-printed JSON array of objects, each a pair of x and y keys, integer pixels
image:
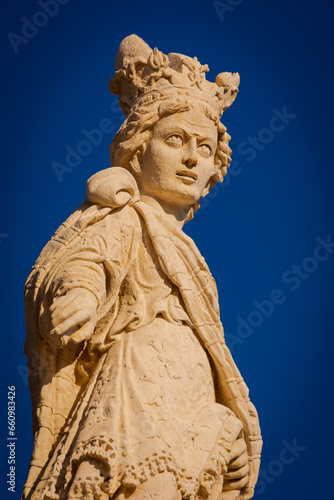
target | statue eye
[
  {"x": 175, "y": 140},
  {"x": 205, "y": 149}
]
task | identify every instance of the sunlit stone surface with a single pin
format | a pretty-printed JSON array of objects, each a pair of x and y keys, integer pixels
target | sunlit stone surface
[{"x": 134, "y": 391}]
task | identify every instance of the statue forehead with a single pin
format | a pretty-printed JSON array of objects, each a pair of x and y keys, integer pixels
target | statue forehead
[{"x": 193, "y": 121}]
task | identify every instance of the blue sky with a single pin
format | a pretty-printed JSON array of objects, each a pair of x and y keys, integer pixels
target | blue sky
[{"x": 265, "y": 233}]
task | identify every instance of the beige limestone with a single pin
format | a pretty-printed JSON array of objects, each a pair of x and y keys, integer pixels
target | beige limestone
[{"x": 134, "y": 391}]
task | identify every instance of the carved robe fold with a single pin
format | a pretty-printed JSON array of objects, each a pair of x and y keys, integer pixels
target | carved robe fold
[{"x": 155, "y": 388}]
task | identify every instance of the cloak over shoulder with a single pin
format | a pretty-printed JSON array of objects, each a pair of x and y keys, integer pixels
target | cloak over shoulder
[{"x": 109, "y": 190}]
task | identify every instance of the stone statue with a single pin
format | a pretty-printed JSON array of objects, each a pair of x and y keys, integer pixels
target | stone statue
[{"x": 134, "y": 393}]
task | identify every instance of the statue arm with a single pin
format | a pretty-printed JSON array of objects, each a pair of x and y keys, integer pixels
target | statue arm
[{"x": 86, "y": 279}]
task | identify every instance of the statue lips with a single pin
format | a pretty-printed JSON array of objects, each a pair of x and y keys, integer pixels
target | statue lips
[{"x": 187, "y": 176}]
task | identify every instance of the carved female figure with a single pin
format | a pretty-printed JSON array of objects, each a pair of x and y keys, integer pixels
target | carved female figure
[{"x": 134, "y": 392}]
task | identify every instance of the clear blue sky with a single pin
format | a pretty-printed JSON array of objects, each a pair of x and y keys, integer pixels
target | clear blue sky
[{"x": 265, "y": 232}]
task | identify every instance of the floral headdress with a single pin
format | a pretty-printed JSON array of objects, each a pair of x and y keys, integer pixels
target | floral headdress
[{"x": 143, "y": 74}]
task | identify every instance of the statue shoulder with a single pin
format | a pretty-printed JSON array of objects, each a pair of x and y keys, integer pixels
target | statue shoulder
[{"x": 125, "y": 219}]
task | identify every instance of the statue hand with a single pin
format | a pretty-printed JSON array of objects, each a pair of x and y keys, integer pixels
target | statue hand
[
  {"x": 73, "y": 317},
  {"x": 236, "y": 476}
]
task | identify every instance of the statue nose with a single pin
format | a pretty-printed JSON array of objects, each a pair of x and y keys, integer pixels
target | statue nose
[{"x": 190, "y": 154}]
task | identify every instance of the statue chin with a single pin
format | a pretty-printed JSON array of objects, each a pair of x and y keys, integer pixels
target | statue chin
[{"x": 134, "y": 391}]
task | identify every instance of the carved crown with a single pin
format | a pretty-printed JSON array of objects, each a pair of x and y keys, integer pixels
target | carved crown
[{"x": 142, "y": 73}]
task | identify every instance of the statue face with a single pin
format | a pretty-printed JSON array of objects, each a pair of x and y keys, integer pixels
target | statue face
[{"x": 179, "y": 158}]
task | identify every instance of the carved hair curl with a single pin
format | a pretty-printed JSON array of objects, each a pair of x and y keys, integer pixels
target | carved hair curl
[{"x": 130, "y": 141}]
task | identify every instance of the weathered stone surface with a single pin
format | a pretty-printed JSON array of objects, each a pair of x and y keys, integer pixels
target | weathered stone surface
[{"x": 134, "y": 391}]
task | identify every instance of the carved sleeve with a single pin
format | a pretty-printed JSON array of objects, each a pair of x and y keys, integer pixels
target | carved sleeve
[
  {"x": 83, "y": 267},
  {"x": 97, "y": 260}
]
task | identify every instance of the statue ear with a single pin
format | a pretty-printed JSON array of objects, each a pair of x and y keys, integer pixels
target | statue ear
[{"x": 135, "y": 161}]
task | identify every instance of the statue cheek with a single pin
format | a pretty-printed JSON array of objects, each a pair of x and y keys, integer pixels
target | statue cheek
[{"x": 206, "y": 175}]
